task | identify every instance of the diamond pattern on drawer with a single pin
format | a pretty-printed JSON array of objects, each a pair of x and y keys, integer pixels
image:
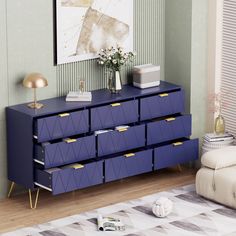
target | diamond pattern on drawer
[
  {"x": 71, "y": 179},
  {"x": 122, "y": 167},
  {"x": 107, "y": 116},
  {"x": 157, "y": 106},
  {"x": 117, "y": 169},
  {"x": 170, "y": 155},
  {"x": 161, "y": 131},
  {"x": 115, "y": 141},
  {"x": 64, "y": 153},
  {"x": 57, "y": 127}
]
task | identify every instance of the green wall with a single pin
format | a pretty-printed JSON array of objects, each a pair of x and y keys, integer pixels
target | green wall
[
  {"x": 178, "y": 44},
  {"x": 186, "y": 45},
  {"x": 199, "y": 67},
  {"x": 4, "y": 97},
  {"x": 26, "y": 36}
]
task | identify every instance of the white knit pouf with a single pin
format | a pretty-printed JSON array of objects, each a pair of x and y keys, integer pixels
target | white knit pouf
[{"x": 162, "y": 207}]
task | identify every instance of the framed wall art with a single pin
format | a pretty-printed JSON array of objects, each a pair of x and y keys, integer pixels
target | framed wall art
[{"x": 86, "y": 26}]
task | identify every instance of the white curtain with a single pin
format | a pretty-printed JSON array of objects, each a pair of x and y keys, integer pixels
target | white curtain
[{"x": 228, "y": 64}]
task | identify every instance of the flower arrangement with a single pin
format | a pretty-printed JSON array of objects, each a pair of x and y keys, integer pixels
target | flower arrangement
[
  {"x": 114, "y": 58},
  {"x": 215, "y": 103},
  {"x": 218, "y": 101}
]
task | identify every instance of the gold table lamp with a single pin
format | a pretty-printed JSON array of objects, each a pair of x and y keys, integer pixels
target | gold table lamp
[{"x": 34, "y": 81}]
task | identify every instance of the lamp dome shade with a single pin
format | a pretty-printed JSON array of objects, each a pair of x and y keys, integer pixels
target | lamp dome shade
[{"x": 35, "y": 80}]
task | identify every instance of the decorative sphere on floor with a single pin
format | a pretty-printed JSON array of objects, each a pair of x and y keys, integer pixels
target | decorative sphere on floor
[{"x": 162, "y": 207}]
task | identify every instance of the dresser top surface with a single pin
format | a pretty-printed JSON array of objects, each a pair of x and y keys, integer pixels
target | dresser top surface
[{"x": 99, "y": 97}]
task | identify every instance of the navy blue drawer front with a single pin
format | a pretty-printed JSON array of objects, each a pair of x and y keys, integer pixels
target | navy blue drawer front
[
  {"x": 70, "y": 178},
  {"x": 61, "y": 125},
  {"x": 114, "y": 114},
  {"x": 169, "y": 129},
  {"x": 128, "y": 165},
  {"x": 65, "y": 152},
  {"x": 177, "y": 153},
  {"x": 118, "y": 141},
  {"x": 162, "y": 105}
]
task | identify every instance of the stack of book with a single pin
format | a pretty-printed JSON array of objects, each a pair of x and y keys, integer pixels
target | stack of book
[
  {"x": 79, "y": 97},
  {"x": 109, "y": 224},
  {"x": 213, "y": 141}
]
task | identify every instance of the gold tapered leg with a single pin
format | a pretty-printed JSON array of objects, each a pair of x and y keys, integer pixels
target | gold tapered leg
[
  {"x": 30, "y": 199},
  {"x": 180, "y": 168},
  {"x": 30, "y": 196},
  {"x": 11, "y": 189},
  {"x": 36, "y": 199}
]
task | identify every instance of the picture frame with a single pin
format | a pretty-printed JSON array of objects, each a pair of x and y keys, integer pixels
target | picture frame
[{"x": 84, "y": 27}]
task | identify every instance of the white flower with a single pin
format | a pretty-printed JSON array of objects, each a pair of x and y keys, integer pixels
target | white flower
[{"x": 113, "y": 57}]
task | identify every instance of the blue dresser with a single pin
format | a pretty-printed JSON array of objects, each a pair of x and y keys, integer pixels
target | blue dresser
[{"x": 56, "y": 148}]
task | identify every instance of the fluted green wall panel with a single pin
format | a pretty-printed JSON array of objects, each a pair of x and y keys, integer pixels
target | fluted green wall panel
[{"x": 149, "y": 40}]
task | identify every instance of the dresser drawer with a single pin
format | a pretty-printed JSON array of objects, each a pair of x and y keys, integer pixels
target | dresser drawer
[
  {"x": 162, "y": 105},
  {"x": 70, "y": 178},
  {"x": 122, "y": 140},
  {"x": 168, "y": 129},
  {"x": 114, "y": 114},
  {"x": 65, "y": 152},
  {"x": 176, "y": 153},
  {"x": 61, "y": 125},
  {"x": 128, "y": 165}
]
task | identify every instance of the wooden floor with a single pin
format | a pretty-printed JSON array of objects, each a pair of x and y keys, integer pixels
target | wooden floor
[{"x": 15, "y": 212}]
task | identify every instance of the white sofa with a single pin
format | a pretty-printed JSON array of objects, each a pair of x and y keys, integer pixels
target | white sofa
[{"x": 216, "y": 180}]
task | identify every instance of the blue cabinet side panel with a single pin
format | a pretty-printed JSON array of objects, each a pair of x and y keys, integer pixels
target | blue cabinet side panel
[{"x": 20, "y": 148}]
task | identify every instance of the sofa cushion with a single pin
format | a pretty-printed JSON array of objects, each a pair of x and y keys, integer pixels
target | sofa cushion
[
  {"x": 220, "y": 158},
  {"x": 219, "y": 185}
]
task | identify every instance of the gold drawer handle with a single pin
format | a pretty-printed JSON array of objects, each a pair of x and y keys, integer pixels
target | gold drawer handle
[
  {"x": 129, "y": 155},
  {"x": 170, "y": 119},
  {"x": 163, "y": 95},
  {"x": 77, "y": 166},
  {"x": 177, "y": 144},
  {"x": 116, "y": 104},
  {"x": 70, "y": 140},
  {"x": 122, "y": 130},
  {"x": 64, "y": 115}
]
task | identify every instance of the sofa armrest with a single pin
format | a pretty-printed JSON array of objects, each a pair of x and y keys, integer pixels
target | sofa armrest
[{"x": 220, "y": 158}]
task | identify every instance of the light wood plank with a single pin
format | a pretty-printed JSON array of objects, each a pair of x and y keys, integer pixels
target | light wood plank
[{"x": 15, "y": 212}]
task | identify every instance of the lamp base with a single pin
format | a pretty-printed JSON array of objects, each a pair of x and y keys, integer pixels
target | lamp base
[{"x": 35, "y": 105}]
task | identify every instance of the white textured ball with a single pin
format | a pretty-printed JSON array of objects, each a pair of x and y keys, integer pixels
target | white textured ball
[{"x": 162, "y": 207}]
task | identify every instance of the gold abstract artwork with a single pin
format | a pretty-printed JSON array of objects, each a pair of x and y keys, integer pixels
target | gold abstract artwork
[
  {"x": 76, "y": 3},
  {"x": 99, "y": 31},
  {"x": 84, "y": 27}
]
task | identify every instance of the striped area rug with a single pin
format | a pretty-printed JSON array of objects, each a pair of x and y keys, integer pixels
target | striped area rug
[{"x": 192, "y": 215}]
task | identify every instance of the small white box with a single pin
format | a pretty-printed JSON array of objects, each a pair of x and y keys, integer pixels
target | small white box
[
  {"x": 146, "y": 76},
  {"x": 79, "y": 97}
]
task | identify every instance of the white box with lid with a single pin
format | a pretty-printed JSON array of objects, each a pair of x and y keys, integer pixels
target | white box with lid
[{"x": 146, "y": 76}]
